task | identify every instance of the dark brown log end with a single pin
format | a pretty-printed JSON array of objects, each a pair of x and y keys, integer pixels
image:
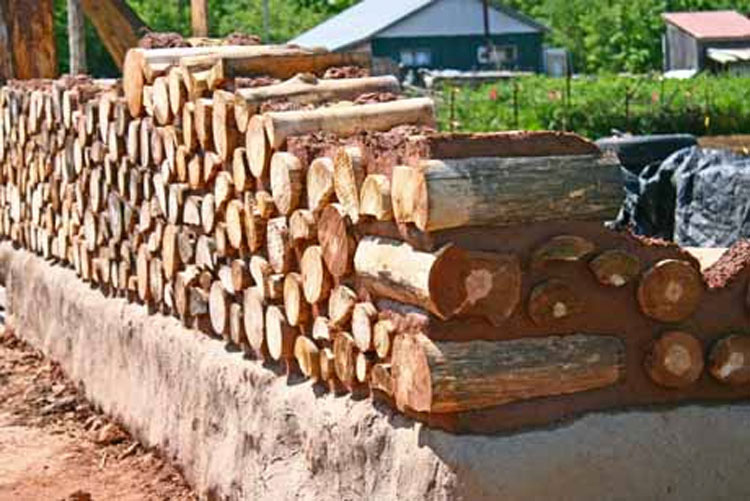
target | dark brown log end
[
  {"x": 675, "y": 360},
  {"x": 670, "y": 291},
  {"x": 553, "y": 301},
  {"x": 730, "y": 360},
  {"x": 615, "y": 268},
  {"x": 563, "y": 248}
]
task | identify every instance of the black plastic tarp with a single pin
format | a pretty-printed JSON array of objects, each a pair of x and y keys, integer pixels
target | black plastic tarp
[{"x": 696, "y": 197}]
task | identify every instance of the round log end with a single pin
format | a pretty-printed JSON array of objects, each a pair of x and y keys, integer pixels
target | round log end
[
  {"x": 258, "y": 148},
  {"x": 452, "y": 266},
  {"x": 615, "y": 268},
  {"x": 411, "y": 374},
  {"x": 133, "y": 81},
  {"x": 566, "y": 248},
  {"x": 729, "y": 361},
  {"x": 670, "y": 291},
  {"x": 553, "y": 301},
  {"x": 675, "y": 360}
]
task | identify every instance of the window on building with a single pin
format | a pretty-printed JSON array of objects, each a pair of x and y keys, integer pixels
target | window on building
[
  {"x": 497, "y": 54},
  {"x": 415, "y": 58},
  {"x": 506, "y": 53}
]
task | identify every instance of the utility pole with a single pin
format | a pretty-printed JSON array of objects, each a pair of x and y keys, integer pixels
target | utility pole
[
  {"x": 266, "y": 22},
  {"x": 487, "y": 35},
  {"x": 199, "y": 17},
  {"x": 76, "y": 38}
]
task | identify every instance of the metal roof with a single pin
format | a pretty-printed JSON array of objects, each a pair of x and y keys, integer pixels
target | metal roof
[
  {"x": 358, "y": 23},
  {"x": 367, "y": 18},
  {"x": 713, "y": 25}
]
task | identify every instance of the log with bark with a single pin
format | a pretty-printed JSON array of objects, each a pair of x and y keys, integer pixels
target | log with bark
[
  {"x": 440, "y": 377},
  {"x": 495, "y": 191}
]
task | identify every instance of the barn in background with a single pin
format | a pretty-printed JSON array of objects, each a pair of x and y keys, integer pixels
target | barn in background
[{"x": 440, "y": 34}]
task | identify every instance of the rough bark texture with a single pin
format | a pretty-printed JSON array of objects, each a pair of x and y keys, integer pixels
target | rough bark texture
[
  {"x": 32, "y": 38},
  {"x": 450, "y": 377}
]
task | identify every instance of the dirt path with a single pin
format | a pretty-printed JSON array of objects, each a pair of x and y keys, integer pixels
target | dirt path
[{"x": 55, "y": 446}]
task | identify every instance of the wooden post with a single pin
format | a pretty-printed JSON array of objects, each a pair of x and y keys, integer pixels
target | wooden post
[
  {"x": 76, "y": 38},
  {"x": 199, "y": 17}
]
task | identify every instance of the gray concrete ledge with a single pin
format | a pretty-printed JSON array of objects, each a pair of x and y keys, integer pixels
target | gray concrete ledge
[{"x": 239, "y": 431}]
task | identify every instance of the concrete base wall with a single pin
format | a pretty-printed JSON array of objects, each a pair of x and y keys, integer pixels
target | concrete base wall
[{"x": 240, "y": 431}]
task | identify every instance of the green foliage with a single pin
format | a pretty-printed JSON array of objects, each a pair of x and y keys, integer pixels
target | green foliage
[
  {"x": 613, "y": 35},
  {"x": 596, "y": 105}
]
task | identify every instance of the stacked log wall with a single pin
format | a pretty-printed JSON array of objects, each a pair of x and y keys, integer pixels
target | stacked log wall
[{"x": 323, "y": 227}]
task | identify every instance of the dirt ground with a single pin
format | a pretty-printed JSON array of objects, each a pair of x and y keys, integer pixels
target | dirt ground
[{"x": 55, "y": 446}]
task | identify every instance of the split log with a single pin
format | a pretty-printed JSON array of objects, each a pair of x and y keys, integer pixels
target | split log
[
  {"x": 364, "y": 317},
  {"x": 321, "y": 329},
  {"x": 223, "y": 126},
  {"x": 675, "y": 360},
  {"x": 257, "y": 147},
  {"x": 280, "y": 336},
  {"x": 491, "y": 191},
  {"x": 670, "y": 291},
  {"x": 241, "y": 278},
  {"x": 320, "y": 188},
  {"x": 375, "y": 197},
  {"x": 383, "y": 333},
  {"x": 236, "y": 325},
  {"x": 278, "y": 245},
  {"x": 341, "y": 306},
  {"x": 363, "y": 366},
  {"x": 345, "y": 359},
  {"x": 381, "y": 378},
  {"x": 307, "y": 355},
  {"x": 218, "y": 307},
  {"x": 348, "y": 176},
  {"x": 302, "y": 227},
  {"x": 253, "y": 312},
  {"x": 730, "y": 360},
  {"x": 241, "y": 175},
  {"x": 337, "y": 241},
  {"x": 296, "y": 308},
  {"x": 287, "y": 182},
  {"x": 347, "y": 120},
  {"x": 444, "y": 377},
  {"x": 235, "y": 221},
  {"x": 316, "y": 280}
]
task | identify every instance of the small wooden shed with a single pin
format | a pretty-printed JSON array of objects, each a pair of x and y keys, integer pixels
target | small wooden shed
[{"x": 693, "y": 38}]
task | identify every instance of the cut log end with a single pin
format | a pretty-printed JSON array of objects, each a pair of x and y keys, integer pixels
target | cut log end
[
  {"x": 675, "y": 360},
  {"x": 730, "y": 360},
  {"x": 670, "y": 291}
]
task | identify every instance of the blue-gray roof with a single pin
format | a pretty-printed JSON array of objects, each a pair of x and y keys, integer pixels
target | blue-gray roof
[{"x": 367, "y": 18}]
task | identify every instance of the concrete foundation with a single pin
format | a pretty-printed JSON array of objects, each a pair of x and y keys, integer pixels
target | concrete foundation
[{"x": 241, "y": 431}]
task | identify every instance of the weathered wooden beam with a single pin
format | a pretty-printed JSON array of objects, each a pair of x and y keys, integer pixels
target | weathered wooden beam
[{"x": 118, "y": 27}]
